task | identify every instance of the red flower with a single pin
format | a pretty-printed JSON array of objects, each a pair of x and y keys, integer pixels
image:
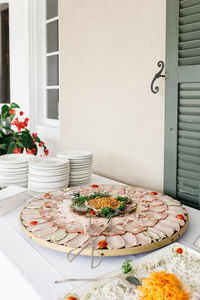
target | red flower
[
  {"x": 17, "y": 150},
  {"x": 34, "y": 150},
  {"x": 21, "y": 113},
  {"x": 46, "y": 152},
  {"x": 18, "y": 124},
  {"x": 12, "y": 111},
  {"x": 34, "y": 134},
  {"x": 41, "y": 144},
  {"x": 29, "y": 151}
]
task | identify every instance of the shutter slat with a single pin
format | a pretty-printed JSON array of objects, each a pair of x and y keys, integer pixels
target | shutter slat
[
  {"x": 189, "y": 11},
  {"x": 189, "y": 45},
  {"x": 189, "y": 119},
  {"x": 195, "y": 111},
  {"x": 188, "y": 53},
  {"x": 189, "y": 102},
  {"x": 189, "y": 134},
  {"x": 188, "y": 182},
  {"x": 185, "y": 189},
  {"x": 188, "y": 3},
  {"x": 189, "y": 19},
  {"x": 189, "y": 150},
  {"x": 188, "y": 166},
  {"x": 189, "y": 127},
  {"x": 189, "y": 61},
  {"x": 188, "y": 199},
  {"x": 189, "y": 27},
  {"x": 189, "y": 143},
  {"x": 189, "y": 36},
  {"x": 188, "y": 174},
  {"x": 191, "y": 86}
]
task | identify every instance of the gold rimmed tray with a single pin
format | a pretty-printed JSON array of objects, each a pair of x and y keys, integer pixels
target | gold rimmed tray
[{"x": 106, "y": 252}]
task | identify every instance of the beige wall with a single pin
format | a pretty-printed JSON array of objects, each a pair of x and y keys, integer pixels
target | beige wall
[{"x": 109, "y": 51}]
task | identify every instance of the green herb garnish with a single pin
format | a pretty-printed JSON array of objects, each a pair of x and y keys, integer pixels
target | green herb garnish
[
  {"x": 122, "y": 206},
  {"x": 126, "y": 266},
  {"x": 124, "y": 199},
  {"x": 99, "y": 195}
]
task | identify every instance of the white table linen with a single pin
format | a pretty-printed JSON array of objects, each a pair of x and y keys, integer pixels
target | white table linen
[{"x": 41, "y": 266}]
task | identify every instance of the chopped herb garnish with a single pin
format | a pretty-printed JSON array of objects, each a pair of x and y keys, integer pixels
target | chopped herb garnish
[
  {"x": 126, "y": 266},
  {"x": 124, "y": 199},
  {"x": 122, "y": 206}
]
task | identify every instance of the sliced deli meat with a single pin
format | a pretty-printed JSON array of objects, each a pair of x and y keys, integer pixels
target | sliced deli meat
[
  {"x": 167, "y": 230},
  {"x": 78, "y": 241},
  {"x": 134, "y": 228},
  {"x": 158, "y": 208},
  {"x": 114, "y": 230},
  {"x": 69, "y": 237},
  {"x": 173, "y": 224},
  {"x": 115, "y": 242},
  {"x": 142, "y": 239},
  {"x": 130, "y": 240}
]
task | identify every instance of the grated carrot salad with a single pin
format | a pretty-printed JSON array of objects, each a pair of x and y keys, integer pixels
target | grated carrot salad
[{"x": 162, "y": 286}]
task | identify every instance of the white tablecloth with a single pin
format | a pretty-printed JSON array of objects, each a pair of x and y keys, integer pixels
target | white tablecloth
[{"x": 41, "y": 266}]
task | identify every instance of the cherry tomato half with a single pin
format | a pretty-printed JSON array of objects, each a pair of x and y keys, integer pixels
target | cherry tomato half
[
  {"x": 32, "y": 223},
  {"x": 102, "y": 244},
  {"x": 96, "y": 186},
  {"x": 92, "y": 213},
  {"x": 154, "y": 193},
  {"x": 72, "y": 298},
  {"x": 180, "y": 217},
  {"x": 179, "y": 250}
]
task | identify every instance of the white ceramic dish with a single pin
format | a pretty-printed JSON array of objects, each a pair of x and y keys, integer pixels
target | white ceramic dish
[
  {"x": 55, "y": 178},
  {"x": 13, "y": 159},
  {"x": 158, "y": 255},
  {"x": 48, "y": 162},
  {"x": 75, "y": 154}
]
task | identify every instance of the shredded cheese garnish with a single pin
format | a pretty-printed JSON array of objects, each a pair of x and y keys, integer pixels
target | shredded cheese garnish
[{"x": 160, "y": 286}]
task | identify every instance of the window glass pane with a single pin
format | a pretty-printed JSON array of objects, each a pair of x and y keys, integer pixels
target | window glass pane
[
  {"x": 52, "y": 36},
  {"x": 51, "y": 9},
  {"x": 52, "y": 103},
  {"x": 52, "y": 70}
]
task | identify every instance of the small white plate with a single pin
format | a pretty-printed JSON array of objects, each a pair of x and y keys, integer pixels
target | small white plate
[
  {"x": 48, "y": 179},
  {"x": 13, "y": 159},
  {"x": 75, "y": 154},
  {"x": 48, "y": 162}
]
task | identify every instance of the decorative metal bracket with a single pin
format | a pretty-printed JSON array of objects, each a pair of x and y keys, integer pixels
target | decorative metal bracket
[{"x": 157, "y": 75}]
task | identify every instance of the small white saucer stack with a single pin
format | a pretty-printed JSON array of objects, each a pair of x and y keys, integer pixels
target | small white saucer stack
[
  {"x": 80, "y": 166},
  {"x": 13, "y": 170},
  {"x": 47, "y": 174}
]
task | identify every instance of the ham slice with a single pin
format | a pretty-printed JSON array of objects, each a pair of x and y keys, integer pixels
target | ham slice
[
  {"x": 50, "y": 235},
  {"x": 173, "y": 224},
  {"x": 134, "y": 228},
  {"x": 44, "y": 232},
  {"x": 174, "y": 214},
  {"x": 40, "y": 226},
  {"x": 167, "y": 230},
  {"x": 78, "y": 241},
  {"x": 158, "y": 216},
  {"x": 115, "y": 242},
  {"x": 142, "y": 239},
  {"x": 115, "y": 230},
  {"x": 156, "y": 202},
  {"x": 146, "y": 222},
  {"x": 39, "y": 220},
  {"x": 148, "y": 198},
  {"x": 69, "y": 237},
  {"x": 31, "y": 216},
  {"x": 177, "y": 209},
  {"x": 130, "y": 240},
  {"x": 174, "y": 219},
  {"x": 74, "y": 227},
  {"x": 158, "y": 209}
]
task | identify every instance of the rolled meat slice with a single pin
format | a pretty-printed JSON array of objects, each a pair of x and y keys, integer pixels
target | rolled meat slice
[
  {"x": 170, "y": 223},
  {"x": 38, "y": 220},
  {"x": 146, "y": 222},
  {"x": 134, "y": 228},
  {"x": 115, "y": 242},
  {"x": 78, "y": 241},
  {"x": 39, "y": 226},
  {"x": 44, "y": 232},
  {"x": 49, "y": 236},
  {"x": 69, "y": 237},
  {"x": 157, "y": 216},
  {"x": 142, "y": 239},
  {"x": 74, "y": 227},
  {"x": 167, "y": 230},
  {"x": 115, "y": 230},
  {"x": 177, "y": 210},
  {"x": 174, "y": 219},
  {"x": 130, "y": 240},
  {"x": 158, "y": 209},
  {"x": 156, "y": 202}
]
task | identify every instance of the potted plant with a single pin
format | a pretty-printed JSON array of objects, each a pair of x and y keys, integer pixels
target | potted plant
[{"x": 15, "y": 137}]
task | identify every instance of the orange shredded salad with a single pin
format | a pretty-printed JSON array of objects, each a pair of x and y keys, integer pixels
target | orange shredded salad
[{"x": 162, "y": 286}]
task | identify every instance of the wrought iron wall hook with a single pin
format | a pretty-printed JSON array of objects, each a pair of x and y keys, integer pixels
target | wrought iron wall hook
[{"x": 157, "y": 75}]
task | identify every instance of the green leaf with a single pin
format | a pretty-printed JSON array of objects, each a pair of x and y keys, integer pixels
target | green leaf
[
  {"x": 14, "y": 105},
  {"x": 12, "y": 145},
  {"x": 5, "y": 111},
  {"x": 3, "y": 146},
  {"x": 19, "y": 144},
  {"x": 26, "y": 140}
]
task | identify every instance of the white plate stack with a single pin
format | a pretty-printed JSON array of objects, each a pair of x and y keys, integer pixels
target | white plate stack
[
  {"x": 80, "y": 166},
  {"x": 47, "y": 174},
  {"x": 13, "y": 170}
]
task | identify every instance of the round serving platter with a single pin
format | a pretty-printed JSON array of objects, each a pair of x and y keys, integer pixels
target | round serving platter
[{"x": 106, "y": 252}]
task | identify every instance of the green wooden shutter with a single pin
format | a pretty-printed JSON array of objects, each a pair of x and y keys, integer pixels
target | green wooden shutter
[{"x": 182, "y": 109}]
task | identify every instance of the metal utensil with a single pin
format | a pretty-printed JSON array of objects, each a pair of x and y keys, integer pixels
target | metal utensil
[
  {"x": 130, "y": 280},
  {"x": 87, "y": 244}
]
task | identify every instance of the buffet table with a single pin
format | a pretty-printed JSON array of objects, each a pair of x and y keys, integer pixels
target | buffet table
[{"x": 42, "y": 266}]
